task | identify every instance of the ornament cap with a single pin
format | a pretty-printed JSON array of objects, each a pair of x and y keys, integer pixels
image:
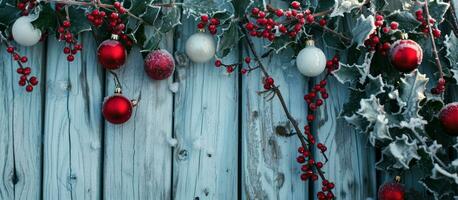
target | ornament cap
[
  {"x": 397, "y": 179},
  {"x": 404, "y": 36},
  {"x": 114, "y": 36},
  {"x": 118, "y": 90},
  {"x": 134, "y": 102},
  {"x": 310, "y": 42}
]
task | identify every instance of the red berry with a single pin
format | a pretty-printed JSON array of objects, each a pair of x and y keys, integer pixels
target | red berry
[
  {"x": 247, "y": 59},
  {"x": 310, "y": 117},
  {"x": 436, "y": 33},
  {"x": 319, "y": 165},
  {"x": 218, "y": 63},
  {"x": 279, "y": 12},
  {"x": 70, "y": 58},
  {"x": 229, "y": 69},
  {"x": 33, "y": 80},
  {"x": 323, "y": 22},
  {"x": 310, "y": 19},
  {"x": 214, "y": 21},
  {"x": 24, "y": 59},
  {"x": 300, "y": 159},
  {"x": 394, "y": 25},
  {"x": 66, "y": 24},
  {"x": 386, "y": 29},
  {"x": 10, "y": 49},
  {"x": 29, "y": 88},
  {"x": 243, "y": 71},
  {"x": 27, "y": 71},
  {"x": 419, "y": 13},
  {"x": 304, "y": 177},
  {"x": 255, "y": 11},
  {"x": 261, "y": 14},
  {"x": 295, "y": 5},
  {"x": 67, "y": 50},
  {"x": 117, "y": 5},
  {"x": 269, "y": 81},
  {"x": 204, "y": 18},
  {"x": 379, "y": 18}
]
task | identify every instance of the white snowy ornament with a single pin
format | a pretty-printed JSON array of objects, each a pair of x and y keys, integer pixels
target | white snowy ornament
[
  {"x": 200, "y": 47},
  {"x": 311, "y": 60},
  {"x": 24, "y": 33}
]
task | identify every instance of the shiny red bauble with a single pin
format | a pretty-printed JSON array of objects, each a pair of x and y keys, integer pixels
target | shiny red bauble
[
  {"x": 111, "y": 54},
  {"x": 448, "y": 117},
  {"x": 391, "y": 191},
  {"x": 405, "y": 55},
  {"x": 117, "y": 109},
  {"x": 159, "y": 64}
]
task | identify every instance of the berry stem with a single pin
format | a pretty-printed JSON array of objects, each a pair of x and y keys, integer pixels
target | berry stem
[
  {"x": 436, "y": 55},
  {"x": 278, "y": 93}
]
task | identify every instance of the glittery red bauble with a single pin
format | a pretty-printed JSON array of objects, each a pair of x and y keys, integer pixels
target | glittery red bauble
[
  {"x": 117, "y": 109},
  {"x": 449, "y": 118},
  {"x": 406, "y": 55},
  {"x": 391, "y": 191},
  {"x": 111, "y": 54},
  {"x": 159, "y": 64}
]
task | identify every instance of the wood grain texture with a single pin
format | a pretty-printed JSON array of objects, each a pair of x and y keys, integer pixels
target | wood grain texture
[
  {"x": 73, "y": 124},
  {"x": 351, "y": 164},
  {"x": 269, "y": 163},
  {"x": 206, "y": 127},
  {"x": 137, "y": 154},
  {"x": 21, "y": 127}
]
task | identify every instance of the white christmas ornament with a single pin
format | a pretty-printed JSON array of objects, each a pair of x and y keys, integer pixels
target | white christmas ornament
[
  {"x": 311, "y": 60},
  {"x": 200, "y": 47},
  {"x": 24, "y": 33}
]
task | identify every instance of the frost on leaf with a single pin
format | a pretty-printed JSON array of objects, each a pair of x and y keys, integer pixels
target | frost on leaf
[
  {"x": 451, "y": 44},
  {"x": 345, "y": 6},
  {"x": 399, "y": 153},
  {"x": 412, "y": 91},
  {"x": 363, "y": 28},
  {"x": 405, "y": 19},
  {"x": 354, "y": 73},
  {"x": 373, "y": 112},
  {"x": 439, "y": 172}
]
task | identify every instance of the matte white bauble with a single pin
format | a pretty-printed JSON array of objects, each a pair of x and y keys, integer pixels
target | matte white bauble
[
  {"x": 311, "y": 60},
  {"x": 24, "y": 33},
  {"x": 200, "y": 47}
]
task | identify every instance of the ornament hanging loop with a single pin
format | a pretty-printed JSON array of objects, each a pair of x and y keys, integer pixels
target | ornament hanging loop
[
  {"x": 397, "y": 179},
  {"x": 404, "y": 36}
]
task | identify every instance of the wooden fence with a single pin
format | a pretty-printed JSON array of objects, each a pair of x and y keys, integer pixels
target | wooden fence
[{"x": 212, "y": 138}]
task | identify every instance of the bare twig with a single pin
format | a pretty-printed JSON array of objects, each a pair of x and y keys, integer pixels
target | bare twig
[{"x": 436, "y": 55}]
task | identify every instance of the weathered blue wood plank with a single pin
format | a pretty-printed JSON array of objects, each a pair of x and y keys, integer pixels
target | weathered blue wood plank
[
  {"x": 137, "y": 154},
  {"x": 21, "y": 126},
  {"x": 269, "y": 167},
  {"x": 73, "y": 124},
  {"x": 206, "y": 128}
]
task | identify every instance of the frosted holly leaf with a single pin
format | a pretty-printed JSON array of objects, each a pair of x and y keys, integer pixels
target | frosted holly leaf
[
  {"x": 359, "y": 122},
  {"x": 393, "y": 94},
  {"x": 441, "y": 188},
  {"x": 151, "y": 14},
  {"x": 403, "y": 151},
  {"x": 437, "y": 9},
  {"x": 393, "y": 5},
  {"x": 405, "y": 19},
  {"x": 171, "y": 17},
  {"x": 375, "y": 85},
  {"x": 228, "y": 39},
  {"x": 438, "y": 172},
  {"x": 9, "y": 12},
  {"x": 373, "y": 112},
  {"x": 198, "y": 7},
  {"x": 363, "y": 28},
  {"x": 352, "y": 73},
  {"x": 412, "y": 90},
  {"x": 451, "y": 44},
  {"x": 345, "y": 6},
  {"x": 280, "y": 43},
  {"x": 414, "y": 124}
]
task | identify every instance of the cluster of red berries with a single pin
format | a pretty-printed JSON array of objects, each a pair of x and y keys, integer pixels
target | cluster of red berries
[
  {"x": 115, "y": 22},
  {"x": 71, "y": 44},
  {"x": 425, "y": 25},
  {"x": 212, "y": 24},
  {"x": 26, "y": 6},
  {"x": 23, "y": 71},
  {"x": 374, "y": 38},
  {"x": 440, "y": 87},
  {"x": 332, "y": 64},
  {"x": 268, "y": 83},
  {"x": 266, "y": 23},
  {"x": 96, "y": 17},
  {"x": 231, "y": 67}
]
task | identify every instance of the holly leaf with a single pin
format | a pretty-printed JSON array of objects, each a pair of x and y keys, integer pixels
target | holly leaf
[
  {"x": 325, "y": 5},
  {"x": 153, "y": 41},
  {"x": 47, "y": 19},
  {"x": 170, "y": 19},
  {"x": 280, "y": 43},
  {"x": 451, "y": 47},
  {"x": 138, "y": 7},
  {"x": 393, "y": 5},
  {"x": 354, "y": 73},
  {"x": 437, "y": 9},
  {"x": 402, "y": 151},
  {"x": 151, "y": 14},
  {"x": 374, "y": 113},
  {"x": 8, "y": 14},
  {"x": 374, "y": 85},
  {"x": 80, "y": 23},
  {"x": 363, "y": 28},
  {"x": 412, "y": 90},
  {"x": 345, "y": 6},
  {"x": 198, "y": 7},
  {"x": 441, "y": 188},
  {"x": 405, "y": 19},
  {"x": 228, "y": 39}
]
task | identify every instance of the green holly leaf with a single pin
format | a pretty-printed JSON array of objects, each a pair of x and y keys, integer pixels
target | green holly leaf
[
  {"x": 8, "y": 14},
  {"x": 401, "y": 151},
  {"x": 153, "y": 41},
  {"x": 79, "y": 21},
  {"x": 451, "y": 47},
  {"x": 171, "y": 18},
  {"x": 151, "y": 15},
  {"x": 363, "y": 28},
  {"x": 375, "y": 85},
  {"x": 198, "y": 7},
  {"x": 344, "y": 6},
  {"x": 324, "y": 5},
  {"x": 441, "y": 188},
  {"x": 437, "y": 9},
  {"x": 412, "y": 91},
  {"x": 354, "y": 73},
  {"x": 228, "y": 39},
  {"x": 47, "y": 19},
  {"x": 374, "y": 113},
  {"x": 394, "y": 5},
  {"x": 405, "y": 19},
  {"x": 281, "y": 43},
  {"x": 138, "y": 7}
]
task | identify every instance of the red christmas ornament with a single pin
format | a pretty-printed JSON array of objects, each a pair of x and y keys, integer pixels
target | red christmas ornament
[
  {"x": 405, "y": 55},
  {"x": 111, "y": 53},
  {"x": 448, "y": 117},
  {"x": 391, "y": 191},
  {"x": 117, "y": 109},
  {"x": 159, "y": 64}
]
